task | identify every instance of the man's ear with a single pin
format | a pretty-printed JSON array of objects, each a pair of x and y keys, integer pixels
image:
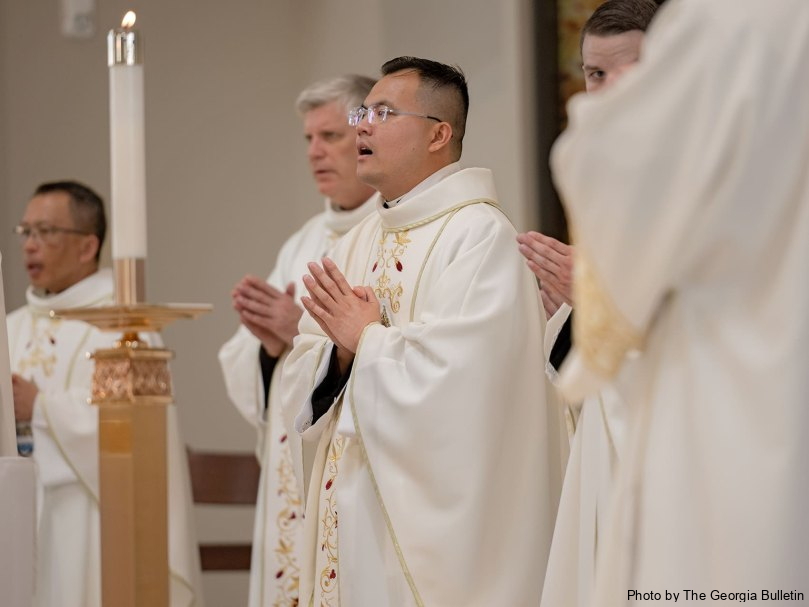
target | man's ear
[
  {"x": 442, "y": 135},
  {"x": 89, "y": 248}
]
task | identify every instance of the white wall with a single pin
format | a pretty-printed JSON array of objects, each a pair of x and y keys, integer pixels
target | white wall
[
  {"x": 8, "y": 213},
  {"x": 226, "y": 172},
  {"x": 489, "y": 40}
]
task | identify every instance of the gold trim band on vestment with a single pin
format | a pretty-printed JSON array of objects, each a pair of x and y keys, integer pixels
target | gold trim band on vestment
[
  {"x": 601, "y": 333},
  {"x": 439, "y": 215}
]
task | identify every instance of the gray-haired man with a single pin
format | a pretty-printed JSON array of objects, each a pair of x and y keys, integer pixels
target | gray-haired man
[{"x": 269, "y": 312}]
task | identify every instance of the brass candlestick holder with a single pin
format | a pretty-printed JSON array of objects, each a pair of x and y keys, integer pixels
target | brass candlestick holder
[{"x": 132, "y": 388}]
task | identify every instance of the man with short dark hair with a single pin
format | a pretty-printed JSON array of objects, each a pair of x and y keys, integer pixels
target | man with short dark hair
[
  {"x": 86, "y": 208},
  {"x": 611, "y": 42},
  {"x": 416, "y": 368},
  {"x": 61, "y": 233},
  {"x": 269, "y": 311}
]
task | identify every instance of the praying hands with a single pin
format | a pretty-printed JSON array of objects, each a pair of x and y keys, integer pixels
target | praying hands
[
  {"x": 269, "y": 314},
  {"x": 340, "y": 310},
  {"x": 551, "y": 262}
]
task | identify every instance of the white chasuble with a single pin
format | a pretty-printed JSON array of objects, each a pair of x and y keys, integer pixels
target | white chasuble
[
  {"x": 53, "y": 353},
  {"x": 279, "y": 511},
  {"x": 597, "y": 430},
  {"x": 686, "y": 185},
  {"x": 448, "y": 478}
]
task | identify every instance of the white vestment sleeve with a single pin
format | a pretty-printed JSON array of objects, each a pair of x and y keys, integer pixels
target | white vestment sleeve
[
  {"x": 552, "y": 330},
  {"x": 310, "y": 429},
  {"x": 238, "y": 358},
  {"x": 65, "y": 430},
  {"x": 304, "y": 368}
]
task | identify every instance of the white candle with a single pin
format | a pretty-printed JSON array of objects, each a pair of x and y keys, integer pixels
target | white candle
[{"x": 127, "y": 142}]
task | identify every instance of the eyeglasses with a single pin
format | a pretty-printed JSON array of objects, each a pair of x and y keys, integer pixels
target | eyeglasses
[
  {"x": 43, "y": 233},
  {"x": 380, "y": 113}
]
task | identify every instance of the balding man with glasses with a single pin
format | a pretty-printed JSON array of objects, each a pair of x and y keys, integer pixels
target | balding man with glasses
[
  {"x": 61, "y": 233},
  {"x": 437, "y": 474}
]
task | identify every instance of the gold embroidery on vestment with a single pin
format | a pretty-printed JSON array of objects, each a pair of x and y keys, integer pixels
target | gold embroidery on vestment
[
  {"x": 601, "y": 333},
  {"x": 287, "y": 523},
  {"x": 328, "y": 527},
  {"x": 389, "y": 258},
  {"x": 37, "y": 357}
]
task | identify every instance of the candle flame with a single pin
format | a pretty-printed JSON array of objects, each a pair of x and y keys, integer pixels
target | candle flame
[{"x": 128, "y": 20}]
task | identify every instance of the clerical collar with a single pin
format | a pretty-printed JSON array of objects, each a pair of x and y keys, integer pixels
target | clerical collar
[
  {"x": 439, "y": 175},
  {"x": 341, "y": 221}
]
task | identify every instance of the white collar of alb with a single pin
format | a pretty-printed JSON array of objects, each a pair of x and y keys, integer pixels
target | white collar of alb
[
  {"x": 91, "y": 291},
  {"x": 425, "y": 184},
  {"x": 341, "y": 221}
]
